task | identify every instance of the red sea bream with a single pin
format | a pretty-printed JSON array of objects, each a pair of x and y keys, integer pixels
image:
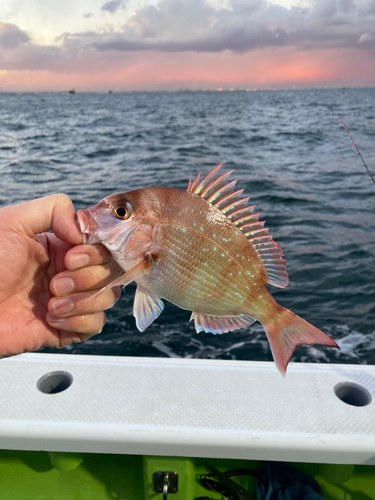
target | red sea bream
[{"x": 204, "y": 250}]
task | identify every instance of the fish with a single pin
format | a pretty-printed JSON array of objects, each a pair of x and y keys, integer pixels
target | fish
[{"x": 206, "y": 251}]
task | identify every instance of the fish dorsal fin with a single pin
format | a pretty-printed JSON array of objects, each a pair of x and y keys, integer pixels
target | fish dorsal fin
[{"x": 220, "y": 193}]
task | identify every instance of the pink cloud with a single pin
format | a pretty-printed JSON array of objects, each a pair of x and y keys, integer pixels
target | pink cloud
[
  {"x": 265, "y": 68},
  {"x": 252, "y": 45}
]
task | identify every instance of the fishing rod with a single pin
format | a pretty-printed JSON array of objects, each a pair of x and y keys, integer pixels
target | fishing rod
[{"x": 357, "y": 151}]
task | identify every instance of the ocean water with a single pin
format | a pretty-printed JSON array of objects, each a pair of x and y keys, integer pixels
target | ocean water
[{"x": 289, "y": 152}]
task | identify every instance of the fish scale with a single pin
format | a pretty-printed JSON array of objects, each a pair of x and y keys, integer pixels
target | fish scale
[
  {"x": 220, "y": 257},
  {"x": 204, "y": 250},
  {"x": 201, "y": 284}
]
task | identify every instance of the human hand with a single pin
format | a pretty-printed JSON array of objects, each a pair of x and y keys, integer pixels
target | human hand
[{"x": 36, "y": 269}]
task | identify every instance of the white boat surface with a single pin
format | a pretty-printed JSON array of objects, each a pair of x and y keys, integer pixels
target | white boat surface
[{"x": 320, "y": 413}]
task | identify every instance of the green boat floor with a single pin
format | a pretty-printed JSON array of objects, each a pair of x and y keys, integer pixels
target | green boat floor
[{"x": 31, "y": 475}]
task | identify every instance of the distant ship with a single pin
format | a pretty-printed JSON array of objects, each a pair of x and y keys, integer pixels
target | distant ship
[{"x": 72, "y": 91}]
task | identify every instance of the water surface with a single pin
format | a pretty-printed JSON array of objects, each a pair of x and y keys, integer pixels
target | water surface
[{"x": 289, "y": 152}]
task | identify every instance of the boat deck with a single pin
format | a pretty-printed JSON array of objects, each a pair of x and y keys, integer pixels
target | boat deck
[{"x": 188, "y": 407}]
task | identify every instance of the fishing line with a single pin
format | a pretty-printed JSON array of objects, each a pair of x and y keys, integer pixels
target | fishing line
[{"x": 357, "y": 151}]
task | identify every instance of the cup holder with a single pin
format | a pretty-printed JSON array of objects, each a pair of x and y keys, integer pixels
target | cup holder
[
  {"x": 54, "y": 382},
  {"x": 352, "y": 394}
]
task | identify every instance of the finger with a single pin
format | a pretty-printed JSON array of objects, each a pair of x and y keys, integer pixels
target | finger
[
  {"x": 86, "y": 255},
  {"x": 55, "y": 212},
  {"x": 83, "y": 303},
  {"x": 77, "y": 328},
  {"x": 84, "y": 279}
]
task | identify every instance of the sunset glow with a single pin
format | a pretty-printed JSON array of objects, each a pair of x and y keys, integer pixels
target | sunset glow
[{"x": 195, "y": 44}]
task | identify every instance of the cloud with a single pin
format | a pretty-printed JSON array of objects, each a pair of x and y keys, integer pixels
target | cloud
[
  {"x": 195, "y": 25},
  {"x": 149, "y": 70},
  {"x": 112, "y": 6},
  {"x": 177, "y": 28},
  {"x": 11, "y": 36},
  {"x": 366, "y": 37}
]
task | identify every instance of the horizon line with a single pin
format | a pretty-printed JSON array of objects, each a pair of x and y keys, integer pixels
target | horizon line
[{"x": 183, "y": 90}]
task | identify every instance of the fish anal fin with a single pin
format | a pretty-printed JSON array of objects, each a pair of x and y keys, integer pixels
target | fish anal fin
[
  {"x": 220, "y": 324},
  {"x": 286, "y": 332},
  {"x": 146, "y": 308}
]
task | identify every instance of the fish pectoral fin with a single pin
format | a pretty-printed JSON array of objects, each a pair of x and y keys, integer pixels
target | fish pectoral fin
[
  {"x": 147, "y": 307},
  {"x": 127, "y": 277},
  {"x": 220, "y": 324}
]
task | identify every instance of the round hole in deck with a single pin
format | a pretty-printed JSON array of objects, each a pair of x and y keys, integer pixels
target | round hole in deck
[
  {"x": 54, "y": 382},
  {"x": 352, "y": 394}
]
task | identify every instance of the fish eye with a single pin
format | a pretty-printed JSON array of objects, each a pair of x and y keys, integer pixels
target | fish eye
[{"x": 122, "y": 210}]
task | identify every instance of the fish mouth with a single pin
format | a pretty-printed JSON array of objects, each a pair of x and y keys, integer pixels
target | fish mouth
[{"x": 88, "y": 226}]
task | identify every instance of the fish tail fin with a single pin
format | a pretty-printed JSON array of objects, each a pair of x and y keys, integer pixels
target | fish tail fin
[{"x": 286, "y": 332}]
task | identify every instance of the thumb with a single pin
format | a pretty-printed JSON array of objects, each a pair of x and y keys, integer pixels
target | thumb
[{"x": 51, "y": 213}]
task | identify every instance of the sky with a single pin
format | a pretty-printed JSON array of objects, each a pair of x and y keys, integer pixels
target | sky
[{"x": 126, "y": 45}]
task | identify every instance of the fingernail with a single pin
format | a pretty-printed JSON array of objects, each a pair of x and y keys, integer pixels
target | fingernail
[
  {"x": 53, "y": 319},
  {"x": 62, "y": 306},
  {"x": 79, "y": 260},
  {"x": 62, "y": 286}
]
